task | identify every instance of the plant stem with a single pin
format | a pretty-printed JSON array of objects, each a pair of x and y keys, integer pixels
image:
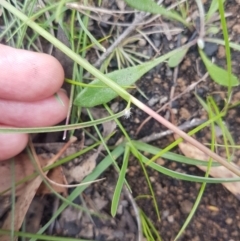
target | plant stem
[
  {"x": 201, "y": 17},
  {"x": 185, "y": 136},
  {"x": 123, "y": 93}
]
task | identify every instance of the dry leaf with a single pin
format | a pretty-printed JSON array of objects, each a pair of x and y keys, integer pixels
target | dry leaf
[
  {"x": 23, "y": 168},
  {"x": 77, "y": 173},
  {"x": 57, "y": 176},
  {"x": 21, "y": 206},
  {"x": 34, "y": 215},
  {"x": 27, "y": 194},
  {"x": 217, "y": 172}
]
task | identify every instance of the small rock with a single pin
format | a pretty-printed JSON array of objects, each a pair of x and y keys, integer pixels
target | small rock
[
  {"x": 124, "y": 203},
  {"x": 171, "y": 45},
  {"x": 163, "y": 99},
  {"x": 157, "y": 42},
  {"x": 165, "y": 213},
  {"x": 71, "y": 229},
  {"x": 153, "y": 100},
  {"x": 115, "y": 107},
  {"x": 170, "y": 219},
  {"x": 160, "y": 161},
  {"x": 87, "y": 232},
  {"x": 121, "y": 4},
  {"x": 157, "y": 80},
  {"x": 156, "y": 35},
  {"x": 184, "y": 40},
  {"x": 196, "y": 238},
  {"x": 169, "y": 72},
  {"x": 221, "y": 52},
  {"x": 185, "y": 114},
  {"x": 100, "y": 203},
  {"x": 142, "y": 42},
  {"x": 119, "y": 234},
  {"x": 229, "y": 221},
  {"x": 236, "y": 28},
  {"x": 210, "y": 49},
  {"x": 136, "y": 120},
  {"x": 120, "y": 209},
  {"x": 152, "y": 179},
  {"x": 186, "y": 206}
]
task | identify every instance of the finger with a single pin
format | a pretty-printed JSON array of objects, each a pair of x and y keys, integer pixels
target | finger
[
  {"x": 49, "y": 111},
  {"x": 28, "y": 76},
  {"x": 11, "y": 145}
]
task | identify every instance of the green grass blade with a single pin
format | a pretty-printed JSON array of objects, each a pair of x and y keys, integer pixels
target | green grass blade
[
  {"x": 90, "y": 35},
  {"x": 100, "y": 168},
  {"x": 90, "y": 97},
  {"x": 220, "y": 41},
  {"x": 185, "y": 177},
  {"x": 203, "y": 186},
  {"x": 227, "y": 137},
  {"x": 176, "y": 59},
  {"x": 61, "y": 127},
  {"x": 212, "y": 9},
  {"x": 133, "y": 149},
  {"x": 56, "y": 164},
  {"x": 152, "y": 7},
  {"x": 74, "y": 56},
  {"x": 227, "y": 48},
  {"x": 150, "y": 227},
  {"x": 41, "y": 237},
  {"x": 120, "y": 182},
  {"x": 218, "y": 74},
  {"x": 179, "y": 140},
  {"x": 141, "y": 146}
]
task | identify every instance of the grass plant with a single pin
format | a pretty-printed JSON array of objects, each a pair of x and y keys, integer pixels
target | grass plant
[{"x": 26, "y": 26}]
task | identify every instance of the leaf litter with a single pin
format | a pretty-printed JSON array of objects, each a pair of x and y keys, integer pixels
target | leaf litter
[{"x": 194, "y": 153}]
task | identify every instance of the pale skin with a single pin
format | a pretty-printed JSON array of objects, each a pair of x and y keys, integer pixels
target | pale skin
[{"x": 28, "y": 82}]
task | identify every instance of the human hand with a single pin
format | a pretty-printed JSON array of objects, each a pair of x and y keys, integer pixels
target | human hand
[{"x": 28, "y": 82}]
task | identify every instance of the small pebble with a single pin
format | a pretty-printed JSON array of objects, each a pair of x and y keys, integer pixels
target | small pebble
[
  {"x": 119, "y": 234},
  {"x": 142, "y": 42},
  {"x": 157, "y": 80},
  {"x": 120, "y": 210},
  {"x": 229, "y": 221},
  {"x": 153, "y": 100},
  {"x": 170, "y": 219},
  {"x": 165, "y": 213},
  {"x": 186, "y": 206},
  {"x": 124, "y": 203},
  {"x": 152, "y": 179},
  {"x": 171, "y": 45},
  {"x": 163, "y": 99}
]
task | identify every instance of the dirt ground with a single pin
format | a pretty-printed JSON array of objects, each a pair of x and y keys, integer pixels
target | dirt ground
[{"x": 218, "y": 216}]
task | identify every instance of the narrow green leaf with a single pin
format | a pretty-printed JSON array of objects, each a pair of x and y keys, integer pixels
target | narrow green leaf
[
  {"x": 41, "y": 237},
  {"x": 218, "y": 74},
  {"x": 176, "y": 59},
  {"x": 141, "y": 146},
  {"x": 90, "y": 97},
  {"x": 186, "y": 177},
  {"x": 152, "y": 7},
  {"x": 120, "y": 182},
  {"x": 202, "y": 102},
  {"x": 99, "y": 169},
  {"x": 90, "y": 35},
  {"x": 212, "y": 9}
]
